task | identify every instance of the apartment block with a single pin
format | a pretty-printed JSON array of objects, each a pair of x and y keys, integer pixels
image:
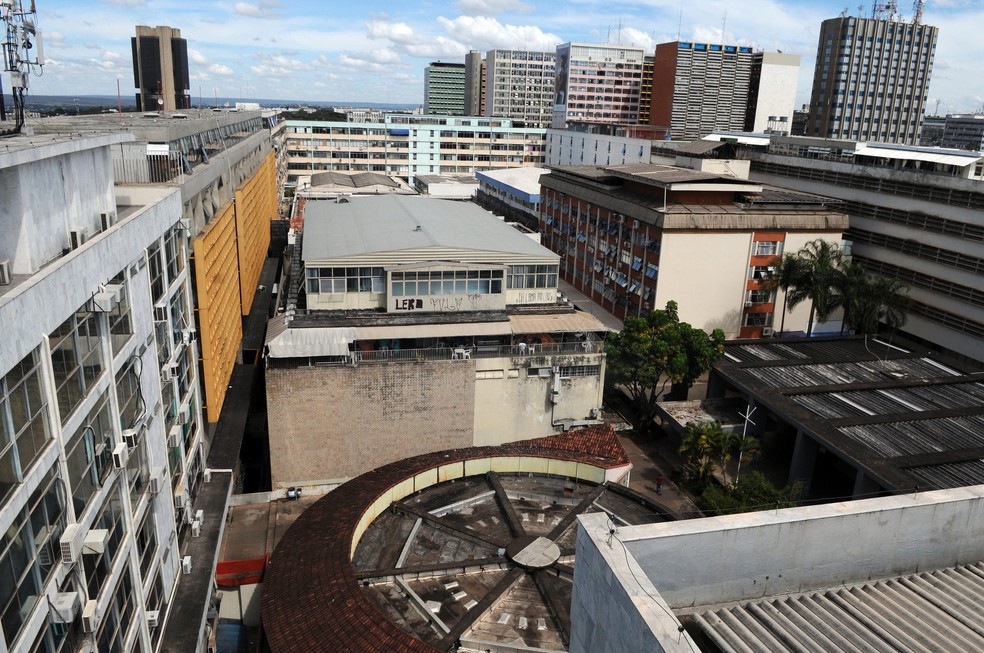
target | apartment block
[
  {"x": 772, "y": 92},
  {"x": 444, "y": 89},
  {"x": 475, "y": 84},
  {"x": 964, "y": 132},
  {"x": 520, "y": 86},
  {"x": 634, "y": 237},
  {"x": 871, "y": 79},
  {"x": 406, "y": 146},
  {"x": 597, "y": 84}
]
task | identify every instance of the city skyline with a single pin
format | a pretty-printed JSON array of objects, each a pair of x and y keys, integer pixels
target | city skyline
[{"x": 269, "y": 49}]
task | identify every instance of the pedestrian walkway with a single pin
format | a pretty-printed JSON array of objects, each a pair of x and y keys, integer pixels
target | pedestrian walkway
[{"x": 652, "y": 456}]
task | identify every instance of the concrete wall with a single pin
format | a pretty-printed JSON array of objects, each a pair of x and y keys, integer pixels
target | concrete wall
[
  {"x": 569, "y": 148},
  {"x": 777, "y": 89},
  {"x": 705, "y": 274},
  {"x": 337, "y": 422},
  {"x": 511, "y": 405}
]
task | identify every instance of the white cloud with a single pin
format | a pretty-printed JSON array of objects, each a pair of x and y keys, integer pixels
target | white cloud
[
  {"x": 197, "y": 57},
  {"x": 492, "y": 7},
  {"x": 219, "y": 69},
  {"x": 108, "y": 54},
  {"x": 483, "y": 33},
  {"x": 126, "y": 3},
  {"x": 262, "y": 9}
]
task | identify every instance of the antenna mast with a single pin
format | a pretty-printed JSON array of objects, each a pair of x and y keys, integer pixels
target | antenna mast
[
  {"x": 20, "y": 35},
  {"x": 917, "y": 12}
]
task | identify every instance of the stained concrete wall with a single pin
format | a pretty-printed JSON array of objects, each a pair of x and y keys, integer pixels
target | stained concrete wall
[{"x": 338, "y": 422}]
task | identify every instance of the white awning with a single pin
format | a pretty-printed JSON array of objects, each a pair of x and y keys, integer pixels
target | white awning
[
  {"x": 285, "y": 342},
  {"x": 576, "y": 322},
  {"x": 946, "y": 157}
]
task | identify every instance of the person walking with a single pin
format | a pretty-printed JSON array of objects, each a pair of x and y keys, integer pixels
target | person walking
[{"x": 659, "y": 484}]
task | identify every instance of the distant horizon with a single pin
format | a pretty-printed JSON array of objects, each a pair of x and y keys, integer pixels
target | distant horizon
[{"x": 112, "y": 101}]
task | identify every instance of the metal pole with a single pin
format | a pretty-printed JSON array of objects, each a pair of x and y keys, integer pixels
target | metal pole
[{"x": 748, "y": 418}]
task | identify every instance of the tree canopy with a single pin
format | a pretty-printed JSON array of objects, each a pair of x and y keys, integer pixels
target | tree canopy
[{"x": 655, "y": 351}]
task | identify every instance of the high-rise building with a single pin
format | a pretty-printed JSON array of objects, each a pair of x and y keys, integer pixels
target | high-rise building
[
  {"x": 597, "y": 83},
  {"x": 521, "y": 86},
  {"x": 160, "y": 69},
  {"x": 964, "y": 132},
  {"x": 646, "y": 97},
  {"x": 474, "y": 84},
  {"x": 699, "y": 88},
  {"x": 772, "y": 92},
  {"x": 444, "y": 89},
  {"x": 871, "y": 79}
]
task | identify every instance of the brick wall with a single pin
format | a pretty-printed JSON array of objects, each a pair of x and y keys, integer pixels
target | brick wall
[{"x": 337, "y": 422}]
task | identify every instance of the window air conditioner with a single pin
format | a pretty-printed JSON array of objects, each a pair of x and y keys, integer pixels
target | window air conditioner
[
  {"x": 107, "y": 299},
  {"x": 120, "y": 456},
  {"x": 76, "y": 238},
  {"x": 130, "y": 438},
  {"x": 174, "y": 437},
  {"x": 184, "y": 413},
  {"x": 65, "y": 607},
  {"x": 71, "y": 544},
  {"x": 186, "y": 564},
  {"x": 5, "y": 272},
  {"x": 90, "y": 617},
  {"x": 748, "y": 304},
  {"x": 160, "y": 311},
  {"x": 94, "y": 542},
  {"x": 107, "y": 219},
  {"x": 157, "y": 480},
  {"x": 766, "y": 332},
  {"x": 153, "y": 618}
]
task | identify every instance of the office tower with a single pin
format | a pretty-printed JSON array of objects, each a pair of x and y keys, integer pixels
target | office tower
[
  {"x": 521, "y": 86},
  {"x": 871, "y": 79},
  {"x": 474, "y": 84},
  {"x": 772, "y": 92},
  {"x": 964, "y": 132},
  {"x": 444, "y": 89},
  {"x": 160, "y": 69},
  {"x": 597, "y": 83},
  {"x": 699, "y": 88}
]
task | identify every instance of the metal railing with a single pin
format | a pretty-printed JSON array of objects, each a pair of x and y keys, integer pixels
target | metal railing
[{"x": 475, "y": 351}]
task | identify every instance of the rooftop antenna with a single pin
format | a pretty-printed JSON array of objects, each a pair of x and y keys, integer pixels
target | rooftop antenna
[
  {"x": 619, "y": 31},
  {"x": 917, "y": 12},
  {"x": 20, "y": 35},
  {"x": 724, "y": 24},
  {"x": 680, "y": 23}
]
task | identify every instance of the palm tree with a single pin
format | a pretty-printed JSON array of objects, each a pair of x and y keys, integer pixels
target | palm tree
[
  {"x": 785, "y": 272},
  {"x": 697, "y": 447},
  {"x": 869, "y": 300},
  {"x": 821, "y": 264}
]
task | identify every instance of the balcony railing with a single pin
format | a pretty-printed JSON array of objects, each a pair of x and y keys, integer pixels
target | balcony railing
[{"x": 475, "y": 351}]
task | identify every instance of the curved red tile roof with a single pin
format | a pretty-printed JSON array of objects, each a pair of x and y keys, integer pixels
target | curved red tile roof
[{"x": 311, "y": 599}]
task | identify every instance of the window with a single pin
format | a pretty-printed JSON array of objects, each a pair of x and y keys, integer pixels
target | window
[
  {"x": 342, "y": 280},
  {"x": 147, "y": 543},
  {"x": 119, "y": 617},
  {"x": 414, "y": 283},
  {"x": 757, "y": 319},
  {"x": 129, "y": 396},
  {"x": 572, "y": 371},
  {"x": 23, "y": 420},
  {"x": 98, "y": 566},
  {"x": 76, "y": 359},
  {"x": 761, "y": 296},
  {"x": 760, "y": 272},
  {"x": 532, "y": 276},
  {"x": 173, "y": 253},
  {"x": 89, "y": 455},
  {"x": 28, "y": 553},
  {"x": 157, "y": 285},
  {"x": 120, "y": 327},
  {"x": 768, "y": 248}
]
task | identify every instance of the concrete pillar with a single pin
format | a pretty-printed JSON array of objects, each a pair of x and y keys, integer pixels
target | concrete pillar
[
  {"x": 804, "y": 458},
  {"x": 715, "y": 386},
  {"x": 864, "y": 486}
]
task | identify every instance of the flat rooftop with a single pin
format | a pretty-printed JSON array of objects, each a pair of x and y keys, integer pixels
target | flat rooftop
[{"x": 909, "y": 417}]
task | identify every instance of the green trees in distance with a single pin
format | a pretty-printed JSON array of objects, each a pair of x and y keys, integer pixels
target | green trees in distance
[
  {"x": 653, "y": 352},
  {"x": 752, "y": 492},
  {"x": 817, "y": 273}
]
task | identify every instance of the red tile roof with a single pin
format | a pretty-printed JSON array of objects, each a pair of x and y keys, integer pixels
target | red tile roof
[{"x": 311, "y": 599}]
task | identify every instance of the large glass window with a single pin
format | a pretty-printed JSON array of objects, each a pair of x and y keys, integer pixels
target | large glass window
[
  {"x": 147, "y": 543},
  {"x": 339, "y": 280},
  {"x": 157, "y": 285},
  {"x": 119, "y": 617},
  {"x": 173, "y": 254},
  {"x": 76, "y": 359},
  {"x": 28, "y": 553},
  {"x": 98, "y": 565},
  {"x": 89, "y": 454},
  {"x": 532, "y": 276},
  {"x": 129, "y": 396},
  {"x": 415, "y": 283},
  {"x": 23, "y": 420}
]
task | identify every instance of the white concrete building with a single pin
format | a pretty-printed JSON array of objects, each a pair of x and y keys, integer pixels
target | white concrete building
[
  {"x": 407, "y": 145},
  {"x": 570, "y": 147},
  {"x": 772, "y": 92},
  {"x": 99, "y": 404},
  {"x": 520, "y": 86}
]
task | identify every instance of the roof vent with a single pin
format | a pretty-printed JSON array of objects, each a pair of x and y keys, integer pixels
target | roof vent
[{"x": 417, "y": 228}]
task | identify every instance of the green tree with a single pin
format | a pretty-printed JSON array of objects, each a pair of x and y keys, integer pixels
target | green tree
[
  {"x": 752, "y": 492},
  {"x": 785, "y": 272},
  {"x": 821, "y": 268},
  {"x": 699, "y": 445},
  {"x": 870, "y": 300},
  {"x": 655, "y": 351}
]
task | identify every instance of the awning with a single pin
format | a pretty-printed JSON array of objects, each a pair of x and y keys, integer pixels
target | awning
[
  {"x": 946, "y": 157},
  {"x": 576, "y": 322},
  {"x": 285, "y": 342},
  {"x": 454, "y": 330}
]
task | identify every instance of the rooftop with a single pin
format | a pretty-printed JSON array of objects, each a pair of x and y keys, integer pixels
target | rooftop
[
  {"x": 373, "y": 225},
  {"x": 910, "y": 418},
  {"x": 525, "y": 180}
]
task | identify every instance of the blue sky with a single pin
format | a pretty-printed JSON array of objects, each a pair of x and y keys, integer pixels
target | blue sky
[{"x": 376, "y": 51}]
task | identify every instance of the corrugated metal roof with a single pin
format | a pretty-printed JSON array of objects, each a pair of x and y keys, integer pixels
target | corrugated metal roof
[
  {"x": 928, "y": 612},
  {"x": 388, "y": 223}
]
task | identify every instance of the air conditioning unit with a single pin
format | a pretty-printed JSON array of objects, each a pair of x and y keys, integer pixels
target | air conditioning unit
[
  {"x": 766, "y": 332},
  {"x": 65, "y": 607},
  {"x": 174, "y": 437},
  {"x": 160, "y": 311},
  {"x": 196, "y": 528},
  {"x": 94, "y": 541},
  {"x": 184, "y": 413},
  {"x": 186, "y": 517},
  {"x": 181, "y": 494},
  {"x": 130, "y": 438},
  {"x": 153, "y": 618},
  {"x": 157, "y": 479},
  {"x": 5, "y": 272},
  {"x": 107, "y": 219},
  {"x": 90, "y": 617},
  {"x": 635, "y": 224},
  {"x": 107, "y": 299},
  {"x": 200, "y": 516},
  {"x": 748, "y": 304},
  {"x": 76, "y": 238},
  {"x": 120, "y": 455},
  {"x": 188, "y": 336},
  {"x": 71, "y": 543},
  {"x": 186, "y": 564}
]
